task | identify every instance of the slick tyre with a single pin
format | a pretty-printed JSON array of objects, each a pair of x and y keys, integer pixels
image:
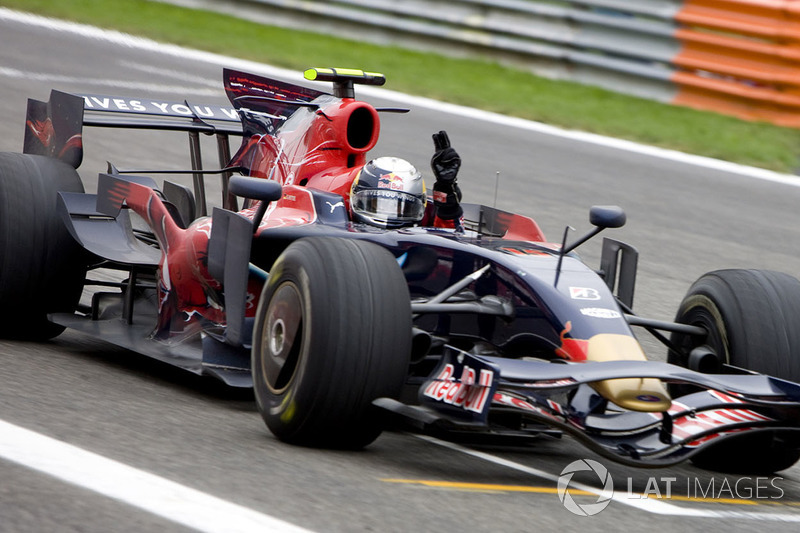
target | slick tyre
[
  {"x": 41, "y": 266},
  {"x": 332, "y": 334},
  {"x": 753, "y": 322}
]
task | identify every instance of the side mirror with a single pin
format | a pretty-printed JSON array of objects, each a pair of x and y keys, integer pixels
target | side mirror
[
  {"x": 601, "y": 217},
  {"x": 607, "y": 216},
  {"x": 255, "y": 188}
]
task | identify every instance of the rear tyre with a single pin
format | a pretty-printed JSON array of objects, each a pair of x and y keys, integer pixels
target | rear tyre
[
  {"x": 332, "y": 334},
  {"x": 41, "y": 266},
  {"x": 753, "y": 322}
]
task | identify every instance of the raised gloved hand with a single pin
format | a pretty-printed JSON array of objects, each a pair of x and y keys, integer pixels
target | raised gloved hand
[{"x": 445, "y": 164}]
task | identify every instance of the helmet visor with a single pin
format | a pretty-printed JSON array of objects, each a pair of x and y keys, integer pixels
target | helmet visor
[{"x": 387, "y": 206}]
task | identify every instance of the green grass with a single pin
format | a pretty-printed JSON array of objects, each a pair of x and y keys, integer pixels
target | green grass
[{"x": 475, "y": 83}]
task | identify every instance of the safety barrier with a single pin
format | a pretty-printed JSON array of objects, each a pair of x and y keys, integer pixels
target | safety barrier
[{"x": 739, "y": 57}]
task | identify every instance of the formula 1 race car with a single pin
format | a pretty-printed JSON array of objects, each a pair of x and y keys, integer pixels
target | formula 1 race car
[{"x": 485, "y": 331}]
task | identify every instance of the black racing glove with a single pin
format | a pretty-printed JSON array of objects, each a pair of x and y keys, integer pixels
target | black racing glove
[{"x": 445, "y": 164}]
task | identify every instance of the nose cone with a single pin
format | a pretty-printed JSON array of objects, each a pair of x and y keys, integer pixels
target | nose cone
[
  {"x": 647, "y": 394},
  {"x": 636, "y": 394}
]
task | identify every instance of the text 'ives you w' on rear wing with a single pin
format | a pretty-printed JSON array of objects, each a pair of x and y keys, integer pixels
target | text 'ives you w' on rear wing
[{"x": 54, "y": 128}]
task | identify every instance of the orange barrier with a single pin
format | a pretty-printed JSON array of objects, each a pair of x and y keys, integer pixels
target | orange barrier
[{"x": 740, "y": 57}]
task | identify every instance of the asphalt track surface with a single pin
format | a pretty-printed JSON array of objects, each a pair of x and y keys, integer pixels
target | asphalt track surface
[{"x": 96, "y": 439}]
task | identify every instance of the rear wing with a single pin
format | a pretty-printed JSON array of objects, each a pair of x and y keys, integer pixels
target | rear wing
[
  {"x": 110, "y": 111},
  {"x": 55, "y": 128}
]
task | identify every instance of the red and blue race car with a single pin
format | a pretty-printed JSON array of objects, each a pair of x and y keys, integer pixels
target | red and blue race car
[{"x": 484, "y": 330}]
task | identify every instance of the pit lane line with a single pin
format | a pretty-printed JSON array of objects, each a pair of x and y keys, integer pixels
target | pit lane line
[
  {"x": 140, "y": 43},
  {"x": 649, "y": 505},
  {"x": 151, "y": 493}
]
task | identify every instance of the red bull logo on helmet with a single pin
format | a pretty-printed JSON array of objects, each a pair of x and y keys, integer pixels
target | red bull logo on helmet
[{"x": 390, "y": 181}]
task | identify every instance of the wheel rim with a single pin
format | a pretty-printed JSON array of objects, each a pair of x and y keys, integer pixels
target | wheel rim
[{"x": 282, "y": 337}]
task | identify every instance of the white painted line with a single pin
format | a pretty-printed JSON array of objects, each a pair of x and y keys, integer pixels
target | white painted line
[
  {"x": 159, "y": 496},
  {"x": 177, "y": 74},
  {"x": 650, "y": 505},
  {"x": 427, "y": 103},
  {"x": 105, "y": 82}
]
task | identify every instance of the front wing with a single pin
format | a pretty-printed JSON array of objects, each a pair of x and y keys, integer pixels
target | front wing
[{"x": 470, "y": 396}]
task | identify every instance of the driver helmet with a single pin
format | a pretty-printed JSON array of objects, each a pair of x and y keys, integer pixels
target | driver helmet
[{"x": 388, "y": 192}]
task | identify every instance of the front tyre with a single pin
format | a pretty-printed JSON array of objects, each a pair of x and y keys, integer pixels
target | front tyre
[
  {"x": 42, "y": 268},
  {"x": 332, "y": 334},
  {"x": 753, "y": 322}
]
